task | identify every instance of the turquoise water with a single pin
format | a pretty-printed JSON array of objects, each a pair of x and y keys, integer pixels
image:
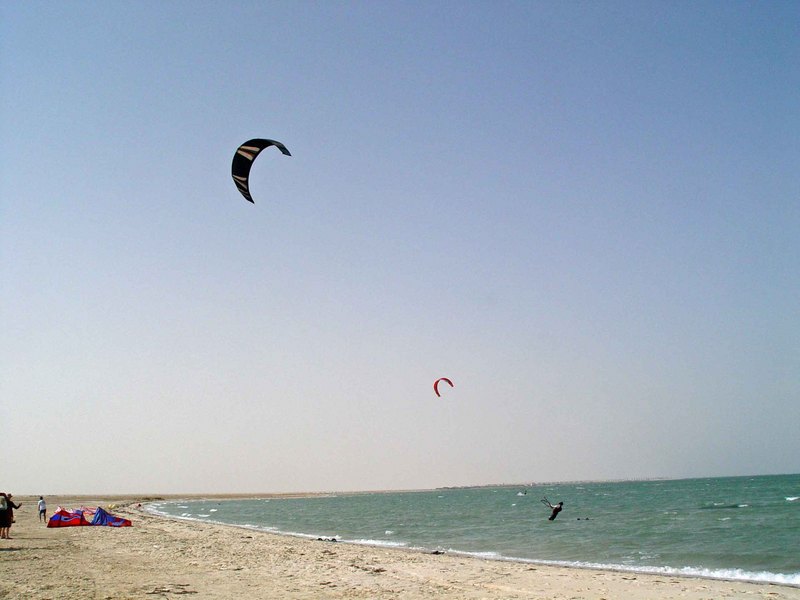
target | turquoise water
[{"x": 738, "y": 527}]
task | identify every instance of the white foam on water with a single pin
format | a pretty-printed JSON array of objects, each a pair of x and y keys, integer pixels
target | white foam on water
[
  {"x": 488, "y": 555},
  {"x": 792, "y": 498},
  {"x": 254, "y": 527},
  {"x": 735, "y": 574},
  {"x": 792, "y": 579},
  {"x": 381, "y": 543}
]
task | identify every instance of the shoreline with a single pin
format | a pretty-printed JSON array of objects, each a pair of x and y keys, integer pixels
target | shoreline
[
  {"x": 167, "y": 557},
  {"x": 682, "y": 572}
]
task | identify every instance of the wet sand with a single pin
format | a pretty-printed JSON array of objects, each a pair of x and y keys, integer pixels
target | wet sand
[{"x": 166, "y": 558}]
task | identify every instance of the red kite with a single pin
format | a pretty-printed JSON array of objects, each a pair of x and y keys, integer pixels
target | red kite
[{"x": 436, "y": 385}]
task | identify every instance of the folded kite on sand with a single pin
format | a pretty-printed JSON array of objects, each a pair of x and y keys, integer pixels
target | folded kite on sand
[
  {"x": 75, "y": 518},
  {"x": 67, "y": 518}
]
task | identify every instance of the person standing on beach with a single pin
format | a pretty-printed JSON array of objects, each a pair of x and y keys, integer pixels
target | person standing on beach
[
  {"x": 3, "y": 508},
  {"x": 7, "y": 516},
  {"x": 556, "y": 509},
  {"x": 42, "y": 509}
]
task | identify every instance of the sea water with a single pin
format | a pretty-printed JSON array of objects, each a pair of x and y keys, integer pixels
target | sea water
[{"x": 744, "y": 528}]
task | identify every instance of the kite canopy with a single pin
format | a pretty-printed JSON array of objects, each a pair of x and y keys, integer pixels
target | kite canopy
[
  {"x": 76, "y": 518},
  {"x": 438, "y": 381},
  {"x": 101, "y": 517},
  {"x": 243, "y": 161},
  {"x": 67, "y": 518}
]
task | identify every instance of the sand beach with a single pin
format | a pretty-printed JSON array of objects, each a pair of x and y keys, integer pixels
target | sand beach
[{"x": 165, "y": 558}]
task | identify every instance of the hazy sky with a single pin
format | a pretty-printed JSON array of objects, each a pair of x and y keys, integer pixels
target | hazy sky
[{"x": 585, "y": 214}]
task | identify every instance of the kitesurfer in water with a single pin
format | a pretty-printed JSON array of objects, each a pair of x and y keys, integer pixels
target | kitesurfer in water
[{"x": 556, "y": 509}]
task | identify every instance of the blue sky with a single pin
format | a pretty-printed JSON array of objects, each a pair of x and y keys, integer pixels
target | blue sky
[{"x": 584, "y": 214}]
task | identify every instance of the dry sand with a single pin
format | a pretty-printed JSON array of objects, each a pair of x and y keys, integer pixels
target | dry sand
[{"x": 164, "y": 558}]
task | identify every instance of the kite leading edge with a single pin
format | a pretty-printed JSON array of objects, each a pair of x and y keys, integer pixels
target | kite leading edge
[
  {"x": 243, "y": 161},
  {"x": 438, "y": 381}
]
